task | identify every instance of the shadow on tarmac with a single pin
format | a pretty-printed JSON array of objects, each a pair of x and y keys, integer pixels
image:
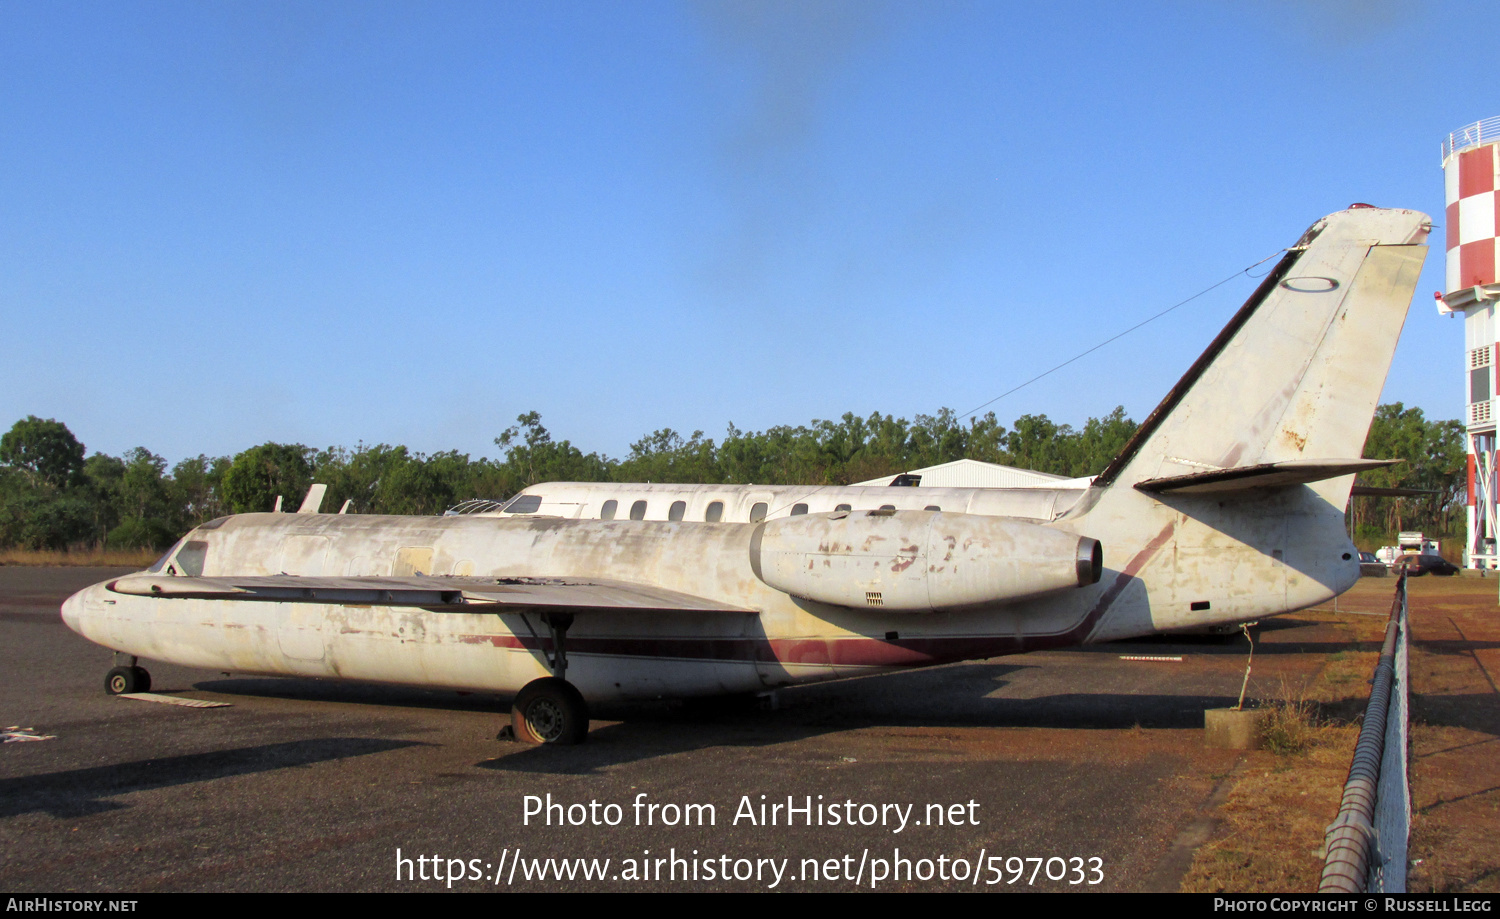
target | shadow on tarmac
[{"x": 78, "y": 792}]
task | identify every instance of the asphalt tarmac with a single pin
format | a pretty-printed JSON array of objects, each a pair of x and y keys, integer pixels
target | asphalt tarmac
[{"x": 1054, "y": 771}]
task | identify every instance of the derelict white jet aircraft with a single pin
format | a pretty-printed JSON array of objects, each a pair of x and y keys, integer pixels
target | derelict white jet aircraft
[{"x": 1226, "y": 506}]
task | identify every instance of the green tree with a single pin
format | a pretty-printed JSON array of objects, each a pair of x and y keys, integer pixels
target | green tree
[
  {"x": 533, "y": 456},
  {"x": 1039, "y": 444},
  {"x": 102, "y": 475},
  {"x": 258, "y": 475},
  {"x": 144, "y": 504},
  {"x": 44, "y": 450},
  {"x": 1100, "y": 441},
  {"x": 36, "y": 519},
  {"x": 196, "y": 489},
  {"x": 1435, "y": 460},
  {"x": 665, "y": 456}
]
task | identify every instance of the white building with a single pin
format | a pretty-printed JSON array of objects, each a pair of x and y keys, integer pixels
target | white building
[{"x": 967, "y": 473}]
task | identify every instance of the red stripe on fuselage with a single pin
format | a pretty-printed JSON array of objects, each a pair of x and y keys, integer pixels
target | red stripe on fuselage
[{"x": 843, "y": 652}]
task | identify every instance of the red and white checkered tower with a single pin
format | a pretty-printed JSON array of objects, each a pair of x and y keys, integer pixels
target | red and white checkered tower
[{"x": 1471, "y": 164}]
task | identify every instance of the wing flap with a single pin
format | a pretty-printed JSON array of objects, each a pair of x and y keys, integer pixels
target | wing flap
[
  {"x": 439, "y": 594},
  {"x": 1264, "y": 475}
]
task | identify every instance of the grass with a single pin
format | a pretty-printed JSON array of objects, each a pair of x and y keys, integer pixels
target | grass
[
  {"x": 79, "y": 558},
  {"x": 1274, "y": 819},
  {"x": 1271, "y": 825},
  {"x": 1289, "y": 727}
]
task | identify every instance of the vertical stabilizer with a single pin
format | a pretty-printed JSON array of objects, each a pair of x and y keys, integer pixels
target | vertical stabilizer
[{"x": 1297, "y": 373}]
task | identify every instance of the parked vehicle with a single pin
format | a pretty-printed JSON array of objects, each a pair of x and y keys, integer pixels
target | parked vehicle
[{"x": 1418, "y": 565}]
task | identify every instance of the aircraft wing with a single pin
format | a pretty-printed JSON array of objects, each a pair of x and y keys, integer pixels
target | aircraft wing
[
  {"x": 439, "y": 594},
  {"x": 1263, "y": 475}
]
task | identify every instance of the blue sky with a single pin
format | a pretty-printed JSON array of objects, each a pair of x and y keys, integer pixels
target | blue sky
[{"x": 326, "y": 223}]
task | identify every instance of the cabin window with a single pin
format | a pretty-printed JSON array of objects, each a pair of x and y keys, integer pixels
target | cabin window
[
  {"x": 678, "y": 509},
  {"x": 887, "y": 507},
  {"x": 844, "y": 507},
  {"x": 607, "y": 512},
  {"x": 758, "y": 512},
  {"x": 932, "y": 507},
  {"x": 798, "y": 510},
  {"x": 638, "y": 510},
  {"x": 524, "y": 504},
  {"x": 190, "y": 559},
  {"x": 715, "y": 512}
]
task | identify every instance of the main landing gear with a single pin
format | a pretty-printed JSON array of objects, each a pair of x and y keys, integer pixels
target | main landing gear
[
  {"x": 551, "y": 710},
  {"x": 128, "y": 678}
]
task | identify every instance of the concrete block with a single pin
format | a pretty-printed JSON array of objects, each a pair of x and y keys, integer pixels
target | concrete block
[{"x": 1232, "y": 729}]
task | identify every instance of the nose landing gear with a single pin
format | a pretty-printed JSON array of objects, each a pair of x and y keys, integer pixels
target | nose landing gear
[{"x": 129, "y": 678}]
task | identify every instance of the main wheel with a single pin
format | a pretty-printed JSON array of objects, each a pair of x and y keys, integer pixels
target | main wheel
[
  {"x": 122, "y": 680},
  {"x": 549, "y": 711},
  {"x": 142, "y": 679}
]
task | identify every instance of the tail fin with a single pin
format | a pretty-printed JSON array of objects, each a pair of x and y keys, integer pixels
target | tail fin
[{"x": 1295, "y": 376}]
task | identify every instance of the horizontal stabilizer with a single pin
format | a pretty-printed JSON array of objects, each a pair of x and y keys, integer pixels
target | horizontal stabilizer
[
  {"x": 439, "y": 594},
  {"x": 1263, "y": 475}
]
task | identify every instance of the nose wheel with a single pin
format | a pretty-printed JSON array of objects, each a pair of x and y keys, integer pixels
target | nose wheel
[{"x": 127, "y": 679}]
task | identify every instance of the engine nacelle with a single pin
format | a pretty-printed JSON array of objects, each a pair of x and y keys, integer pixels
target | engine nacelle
[{"x": 919, "y": 561}]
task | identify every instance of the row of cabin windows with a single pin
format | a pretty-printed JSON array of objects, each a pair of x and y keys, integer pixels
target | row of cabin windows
[{"x": 712, "y": 514}]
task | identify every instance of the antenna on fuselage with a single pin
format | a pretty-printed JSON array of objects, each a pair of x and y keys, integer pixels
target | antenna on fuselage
[{"x": 313, "y": 503}]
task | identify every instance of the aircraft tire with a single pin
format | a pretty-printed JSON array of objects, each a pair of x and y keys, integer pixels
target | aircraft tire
[
  {"x": 122, "y": 680},
  {"x": 142, "y": 679},
  {"x": 549, "y": 711}
]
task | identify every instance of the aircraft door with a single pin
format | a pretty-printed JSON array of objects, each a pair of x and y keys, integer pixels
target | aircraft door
[
  {"x": 299, "y": 630},
  {"x": 304, "y": 555}
]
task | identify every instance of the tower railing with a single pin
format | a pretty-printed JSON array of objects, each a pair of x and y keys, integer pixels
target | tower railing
[{"x": 1480, "y": 132}]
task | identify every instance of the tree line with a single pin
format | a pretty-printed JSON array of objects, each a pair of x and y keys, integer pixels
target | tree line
[
  {"x": 54, "y": 496},
  {"x": 1435, "y": 461}
]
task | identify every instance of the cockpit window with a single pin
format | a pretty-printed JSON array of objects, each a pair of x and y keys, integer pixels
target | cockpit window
[
  {"x": 161, "y": 563},
  {"x": 190, "y": 558},
  {"x": 524, "y": 504}
]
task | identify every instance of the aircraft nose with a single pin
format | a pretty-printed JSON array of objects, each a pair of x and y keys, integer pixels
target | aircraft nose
[{"x": 72, "y": 610}]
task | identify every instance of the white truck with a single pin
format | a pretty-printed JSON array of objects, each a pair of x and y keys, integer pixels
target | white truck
[{"x": 1409, "y": 542}]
